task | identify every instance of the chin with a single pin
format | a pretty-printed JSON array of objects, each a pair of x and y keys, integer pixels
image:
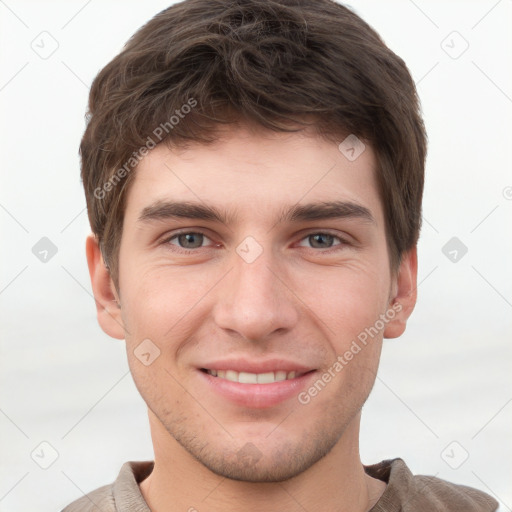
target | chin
[{"x": 262, "y": 459}]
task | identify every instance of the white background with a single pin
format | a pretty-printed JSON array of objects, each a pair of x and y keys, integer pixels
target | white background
[{"x": 65, "y": 382}]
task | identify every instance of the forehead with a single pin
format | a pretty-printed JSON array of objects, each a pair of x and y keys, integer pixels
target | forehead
[{"x": 255, "y": 174}]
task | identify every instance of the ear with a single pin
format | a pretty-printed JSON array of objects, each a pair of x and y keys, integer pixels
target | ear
[
  {"x": 105, "y": 295},
  {"x": 403, "y": 296}
]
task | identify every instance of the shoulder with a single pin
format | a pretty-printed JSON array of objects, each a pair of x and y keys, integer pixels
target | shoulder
[
  {"x": 446, "y": 496},
  {"x": 407, "y": 492},
  {"x": 99, "y": 499},
  {"x": 123, "y": 494}
]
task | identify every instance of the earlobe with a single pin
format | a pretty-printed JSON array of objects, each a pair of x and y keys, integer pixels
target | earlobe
[
  {"x": 107, "y": 306},
  {"x": 404, "y": 297}
]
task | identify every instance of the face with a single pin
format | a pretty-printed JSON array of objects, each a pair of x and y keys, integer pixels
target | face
[{"x": 239, "y": 329}]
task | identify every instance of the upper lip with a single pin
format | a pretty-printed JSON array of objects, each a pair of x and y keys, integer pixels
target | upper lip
[{"x": 252, "y": 366}]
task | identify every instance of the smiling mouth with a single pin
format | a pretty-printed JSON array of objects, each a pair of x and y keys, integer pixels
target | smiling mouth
[{"x": 254, "y": 378}]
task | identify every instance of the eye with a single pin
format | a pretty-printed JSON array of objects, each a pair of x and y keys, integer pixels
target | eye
[
  {"x": 189, "y": 241},
  {"x": 323, "y": 240},
  {"x": 186, "y": 241}
]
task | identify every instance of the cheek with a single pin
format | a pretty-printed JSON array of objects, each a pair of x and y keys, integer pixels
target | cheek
[
  {"x": 346, "y": 301},
  {"x": 163, "y": 305},
  {"x": 160, "y": 302},
  {"x": 156, "y": 297}
]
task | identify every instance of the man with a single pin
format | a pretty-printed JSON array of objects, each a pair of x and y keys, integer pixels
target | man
[{"x": 254, "y": 173}]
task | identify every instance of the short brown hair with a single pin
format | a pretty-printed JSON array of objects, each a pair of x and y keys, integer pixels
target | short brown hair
[{"x": 276, "y": 63}]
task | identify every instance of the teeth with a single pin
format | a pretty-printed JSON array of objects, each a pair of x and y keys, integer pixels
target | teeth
[
  {"x": 280, "y": 375},
  {"x": 244, "y": 377},
  {"x": 231, "y": 375},
  {"x": 265, "y": 378},
  {"x": 254, "y": 378}
]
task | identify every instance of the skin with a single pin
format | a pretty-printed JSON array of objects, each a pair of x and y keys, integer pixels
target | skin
[{"x": 295, "y": 301}]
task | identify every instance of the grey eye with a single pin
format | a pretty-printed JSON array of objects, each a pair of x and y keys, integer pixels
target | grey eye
[{"x": 190, "y": 240}]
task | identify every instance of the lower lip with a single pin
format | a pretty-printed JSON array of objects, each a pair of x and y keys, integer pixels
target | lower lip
[{"x": 257, "y": 396}]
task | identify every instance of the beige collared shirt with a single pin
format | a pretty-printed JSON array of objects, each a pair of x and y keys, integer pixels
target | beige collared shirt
[{"x": 404, "y": 492}]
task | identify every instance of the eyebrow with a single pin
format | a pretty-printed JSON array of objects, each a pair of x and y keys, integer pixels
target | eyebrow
[{"x": 163, "y": 210}]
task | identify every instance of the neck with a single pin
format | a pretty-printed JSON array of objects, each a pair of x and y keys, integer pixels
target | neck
[{"x": 336, "y": 483}]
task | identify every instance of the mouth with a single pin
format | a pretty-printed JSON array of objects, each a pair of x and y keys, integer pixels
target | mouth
[
  {"x": 255, "y": 390},
  {"x": 254, "y": 378}
]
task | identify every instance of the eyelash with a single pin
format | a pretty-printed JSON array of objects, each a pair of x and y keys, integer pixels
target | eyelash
[{"x": 181, "y": 250}]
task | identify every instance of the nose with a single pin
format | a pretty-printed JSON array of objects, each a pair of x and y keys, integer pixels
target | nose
[{"x": 255, "y": 301}]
